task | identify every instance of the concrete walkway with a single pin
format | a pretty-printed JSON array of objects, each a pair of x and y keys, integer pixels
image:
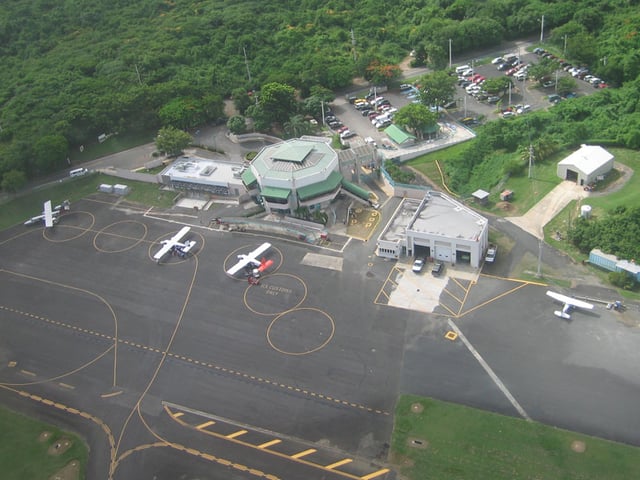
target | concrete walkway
[{"x": 542, "y": 212}]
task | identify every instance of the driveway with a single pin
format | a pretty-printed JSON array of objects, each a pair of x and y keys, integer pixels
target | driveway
[{"x": 542, "y": 212}]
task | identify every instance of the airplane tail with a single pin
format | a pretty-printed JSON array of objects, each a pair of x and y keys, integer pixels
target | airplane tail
[{"x": 264, "y": 264}]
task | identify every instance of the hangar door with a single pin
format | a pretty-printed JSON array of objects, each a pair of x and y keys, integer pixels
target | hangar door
[
  {"x": 443, "y": 253},
  {"x": 572, "y": 175}
]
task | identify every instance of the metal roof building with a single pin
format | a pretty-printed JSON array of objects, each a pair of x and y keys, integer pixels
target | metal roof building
[
  {"x": 585, "y": 165},
  {"x": 189, "y": 172},
  {"x": 303, "y": 172}
]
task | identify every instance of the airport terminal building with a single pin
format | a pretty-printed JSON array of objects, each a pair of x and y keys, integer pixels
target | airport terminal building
[
  {"x": 438, "y": 227},
  {"x": 201, "y": 175}
]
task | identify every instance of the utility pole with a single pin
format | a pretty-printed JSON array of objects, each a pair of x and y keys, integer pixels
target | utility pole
[
  {"x": 450, "y": 62},
  {"x": 530, "y": 160},
  {"x": 353, "y": 45},
  {"x": 542, "y": 29},
  {"x": 246, "y": 62}
]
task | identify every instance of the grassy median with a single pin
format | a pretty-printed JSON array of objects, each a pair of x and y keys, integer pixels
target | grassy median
[{"x": 439, "y": 440}]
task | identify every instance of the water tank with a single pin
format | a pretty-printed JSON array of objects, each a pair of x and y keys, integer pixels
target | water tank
[{"x": 585, "y": 211}]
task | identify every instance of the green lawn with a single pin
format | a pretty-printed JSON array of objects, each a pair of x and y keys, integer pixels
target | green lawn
[
  {"x": 24, "y": 453},
  {"x": 458, "y": 442},
  {"x": 23, "y": 207},
  {"x": 114, "y": 144}
]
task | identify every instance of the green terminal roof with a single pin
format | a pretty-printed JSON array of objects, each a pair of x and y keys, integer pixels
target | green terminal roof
[
  {"x": 356, "y": 189},
  {"x": 398, "y": 135},
  {"x": 275, "y": 192},
  {"x": 248, "y": 177},
  {"x": 328, "y": 185}
]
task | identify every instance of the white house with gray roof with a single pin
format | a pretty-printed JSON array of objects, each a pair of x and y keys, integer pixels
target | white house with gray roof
[{"x": 436, "y": 226}]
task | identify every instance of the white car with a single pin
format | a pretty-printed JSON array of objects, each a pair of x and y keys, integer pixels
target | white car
[
  {"x": 497, "y": 61},
  {"x": 473, "y": 88},
  {"x": 523, "y": 109}
]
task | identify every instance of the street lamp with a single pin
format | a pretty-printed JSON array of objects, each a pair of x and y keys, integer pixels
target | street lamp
[{"x": 450, "y": 53}]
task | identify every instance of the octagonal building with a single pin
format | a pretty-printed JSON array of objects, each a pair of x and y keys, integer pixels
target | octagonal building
[{"x": 297, "y": 173}]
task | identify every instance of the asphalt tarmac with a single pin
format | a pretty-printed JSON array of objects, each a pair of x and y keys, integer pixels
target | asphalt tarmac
[{"x": 177, "y": 370}]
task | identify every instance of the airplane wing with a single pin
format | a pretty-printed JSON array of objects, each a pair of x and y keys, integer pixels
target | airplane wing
[
  {"x": 569, "y": 304},
  {"x": 167, "y": 245},
  {"x": 48, "y": 214},
  {"x": 249, "y": 258}
]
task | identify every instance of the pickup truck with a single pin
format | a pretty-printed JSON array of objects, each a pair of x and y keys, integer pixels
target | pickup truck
[{"x": 492, "y": 251}]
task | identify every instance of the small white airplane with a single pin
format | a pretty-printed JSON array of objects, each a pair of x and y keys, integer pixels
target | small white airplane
[
  {"x": 569, "y": 304},
  {"x": 252, "y": 259},
  {"x": 50, "y": 216},
  {"x": 175, "y": 245}
]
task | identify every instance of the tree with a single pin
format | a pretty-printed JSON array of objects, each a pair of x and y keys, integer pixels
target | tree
[
  {"x": 13, "y": 180},
  {"x": 437, "y": 89},
  {"x": 50, "y": 152},
  {"x": 382, "y": 74},
  {"x": 415, "y": 117},
  {"x": 278, "y": 101},
  {"x": 237, "y": 124},
  {"x": 172, "y": 141},
  {"x": 297, "y": 126}
]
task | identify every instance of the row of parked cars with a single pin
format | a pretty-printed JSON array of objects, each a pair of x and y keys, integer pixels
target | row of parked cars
[
  {"x": 377, "y": 108},
  {"x": 472, "y": 83},
  {"x": 577, "y": 72},
  {"x": 337, "y": 126}
]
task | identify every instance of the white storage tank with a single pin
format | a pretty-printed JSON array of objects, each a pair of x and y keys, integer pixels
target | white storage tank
[
  {"x": 105, "y": 188},
  {"x": 585, "y": 211}
]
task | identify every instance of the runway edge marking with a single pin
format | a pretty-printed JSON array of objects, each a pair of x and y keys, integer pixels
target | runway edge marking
[{"x": 490, "y": 371}]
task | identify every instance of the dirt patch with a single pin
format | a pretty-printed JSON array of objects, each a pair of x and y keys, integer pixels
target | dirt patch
[
  {"x": 71, "y": 471},
  {"x": 417, "y": 408},
  {"x": 578, "y": 446},
  {"x": 59, "y": 447},
  {"x": 504, "y": 206}
]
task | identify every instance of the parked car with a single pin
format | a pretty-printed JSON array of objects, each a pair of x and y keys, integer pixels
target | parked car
[
  {"x": 418, "y": 264},
  {"x": 539, "y": 51},
  {"x": 520, "y": 109},
  {"x": 469, "y": 121},
  {"x": 554, "y": 98},
  {"x": 504, "y": 66},
  {"x": 497, "y": 61},
  {"x": 437, "y": 269},
  {"x": 508, "y": 114},
  {"x": 405, "y": 86},
  {"x": 347, "y": 134},
  {"x": 548, "y": 84},
  {"x": 493, "y": 99}
]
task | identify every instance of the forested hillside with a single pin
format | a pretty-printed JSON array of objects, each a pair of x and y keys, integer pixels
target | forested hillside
[{"x": 75, "y": 69}]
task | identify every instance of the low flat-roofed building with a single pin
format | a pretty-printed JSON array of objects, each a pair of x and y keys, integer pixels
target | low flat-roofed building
[
  {"x": 189, "y": 172},
  {"x": 438, "y": 227}
]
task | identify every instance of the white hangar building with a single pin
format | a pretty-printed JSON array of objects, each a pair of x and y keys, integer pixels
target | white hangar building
[
  {"x": 192, "y": 173},
  {"x": 585, "y": 165},
  {"x": 438, "y": 227}
]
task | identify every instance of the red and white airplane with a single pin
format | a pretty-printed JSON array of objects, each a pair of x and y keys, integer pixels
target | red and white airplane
[
  {"x": 49, "y": 215},
  {"x": 569, "y": 304},
  {"x": 251, "y": 258},
  {"x": 175, "y": 246}
]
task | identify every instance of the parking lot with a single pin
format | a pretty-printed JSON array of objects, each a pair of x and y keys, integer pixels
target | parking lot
[{"x": 525, "y": 91}]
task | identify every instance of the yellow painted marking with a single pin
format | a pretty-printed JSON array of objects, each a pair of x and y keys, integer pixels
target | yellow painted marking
[
  {"x": 339, "y": 463},
  {"x": 375, "y": 474},
  {"x": 177, "y": 414},
  {"x": 304, "y": 453},
  {"x": 451, "y": 335},
  {"x": 66, "y": 385},
  {"x": 26, "y": 372},
  {"x": 269, "y": 443},
  {"x": 112, "y": 394},
  {"x": 452, "y": 295},
  {"x": 236, "y": 434},
  {"x": 504, "y": 294},
  {"x": 205, "y": 424},
  {"x": 12, "y": 364}
]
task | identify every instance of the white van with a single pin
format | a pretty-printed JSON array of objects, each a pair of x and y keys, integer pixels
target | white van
[
  {"x": 78, "y": 172},
  {"x": 462, "y": 68}
]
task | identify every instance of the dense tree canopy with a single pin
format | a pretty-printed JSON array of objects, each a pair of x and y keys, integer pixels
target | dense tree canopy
[{"x": 73, "y": 70}]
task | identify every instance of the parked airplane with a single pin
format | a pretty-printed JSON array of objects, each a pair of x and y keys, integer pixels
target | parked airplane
[
  {"x": 175, "y": 246},
  {"x": 49, "y": 215},
  {"x": 252, "y": 259},
  {"x": 569, "y": 304}
]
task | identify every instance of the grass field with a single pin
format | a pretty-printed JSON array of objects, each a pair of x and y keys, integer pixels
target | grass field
[
  {"x": 439, "y": 440},
  {"x": 26, "y": 453},
  {"x": 19, "y": 209}
]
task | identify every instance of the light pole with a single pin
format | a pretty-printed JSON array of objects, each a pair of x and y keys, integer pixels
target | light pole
[
  {"x": 542, "y": 29},
  {"x": 564, "y": 49},
  {"x": 450, "y": 63}
]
